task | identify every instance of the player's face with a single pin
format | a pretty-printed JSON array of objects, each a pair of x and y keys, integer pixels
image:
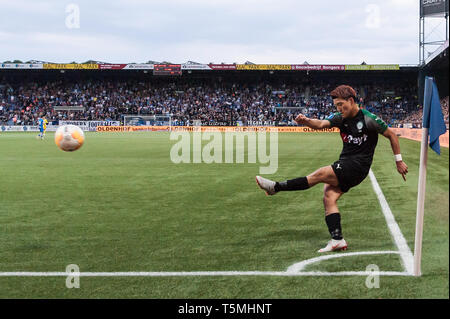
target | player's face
[{"x": 345, "y": 107}]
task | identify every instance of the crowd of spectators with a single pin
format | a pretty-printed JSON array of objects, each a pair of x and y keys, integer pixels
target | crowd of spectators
[
  {"x": 414, "y": 119},
  {"x": 212, "y": 102},
  {"x": 444, "y": 105}
]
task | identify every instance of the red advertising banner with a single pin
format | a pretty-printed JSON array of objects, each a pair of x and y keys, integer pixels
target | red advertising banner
[
  {"x": 306, "y": 67},
  {"x": 333, "y": 67},
  {"x": 317, "y": 67},
  {"x": 222, "y": 66},
  {"x": 111, "y": 66},
  {"x": 167, "y": 69}
]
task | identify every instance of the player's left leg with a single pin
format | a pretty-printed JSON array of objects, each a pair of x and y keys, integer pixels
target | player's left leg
[
  {"x": 324, "y": 174},
  {"x": 331, "y": 195}
]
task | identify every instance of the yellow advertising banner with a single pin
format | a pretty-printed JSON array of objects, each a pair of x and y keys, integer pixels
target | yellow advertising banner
[
  {"x": 371, "y": 67},
  {"x": 71, "y": 66},
  {"x": 263, "y": 67},
  {"x": 295, "y": 129}
]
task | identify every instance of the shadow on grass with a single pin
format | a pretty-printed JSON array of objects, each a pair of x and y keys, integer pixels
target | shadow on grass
[{"x": 306, "y": 235}]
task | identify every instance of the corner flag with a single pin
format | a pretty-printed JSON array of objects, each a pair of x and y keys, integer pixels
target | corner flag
[
  {"x": 433, "y": 125},
  {"x": 432, "y": 114}
]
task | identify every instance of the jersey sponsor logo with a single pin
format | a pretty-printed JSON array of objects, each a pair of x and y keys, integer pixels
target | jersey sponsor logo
[{"x": 347, "y": 138}]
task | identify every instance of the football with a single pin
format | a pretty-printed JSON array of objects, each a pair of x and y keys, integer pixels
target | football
[{"x": 69, "y": 138}]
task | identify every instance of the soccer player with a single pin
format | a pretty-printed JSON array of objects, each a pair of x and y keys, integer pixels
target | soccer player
[
  {"x": 359, "y": 131},
  {"x": 42, "y": 121}
]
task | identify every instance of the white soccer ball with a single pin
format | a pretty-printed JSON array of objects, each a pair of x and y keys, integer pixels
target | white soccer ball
[{"x": 69, "y": 138}]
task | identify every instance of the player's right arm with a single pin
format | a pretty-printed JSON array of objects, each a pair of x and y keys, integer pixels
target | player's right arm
[{"x": 312, "y": 123}]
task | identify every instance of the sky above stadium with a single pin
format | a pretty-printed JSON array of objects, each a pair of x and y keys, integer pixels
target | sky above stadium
[{"x": 260, "y": 31}]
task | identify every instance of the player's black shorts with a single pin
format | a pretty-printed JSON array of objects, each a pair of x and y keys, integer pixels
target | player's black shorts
[{"x": 349, "y": 173}]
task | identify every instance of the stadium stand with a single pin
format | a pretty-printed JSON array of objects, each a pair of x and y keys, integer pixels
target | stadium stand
[{"x": 222, "y": 99}]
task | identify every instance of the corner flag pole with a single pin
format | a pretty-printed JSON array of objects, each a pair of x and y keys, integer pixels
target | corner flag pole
[
  {"x": 421, "y": 201},
  {"x": 433, "y": 126},
  {"x": 422, "y": 177}
]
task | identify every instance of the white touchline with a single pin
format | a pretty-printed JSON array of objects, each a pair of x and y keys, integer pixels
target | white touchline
[
  {"x": 400, "y": 241},
  {"x": 199, "y": 273}
]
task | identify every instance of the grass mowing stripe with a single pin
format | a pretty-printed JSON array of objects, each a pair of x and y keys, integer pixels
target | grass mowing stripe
[{"x": 120, "y": 204}]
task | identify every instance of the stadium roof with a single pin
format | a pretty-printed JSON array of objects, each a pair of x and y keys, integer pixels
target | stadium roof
[{"x": 441, "y": 50}]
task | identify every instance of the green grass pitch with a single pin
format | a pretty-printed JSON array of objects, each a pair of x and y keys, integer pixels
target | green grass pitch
[{"x": 120, "y": 204}]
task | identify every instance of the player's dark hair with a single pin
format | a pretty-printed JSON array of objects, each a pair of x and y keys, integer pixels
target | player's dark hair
[{"x": 343, "y": 92}]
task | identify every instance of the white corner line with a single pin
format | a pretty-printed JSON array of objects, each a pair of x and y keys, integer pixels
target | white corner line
[
  {"x": 199, "y": 274},
  {"x": 298, "y": 267},
  {"x": 399, "y": 240}
]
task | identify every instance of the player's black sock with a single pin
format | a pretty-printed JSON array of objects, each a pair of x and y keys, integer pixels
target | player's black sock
[
  {"x": 295, "y": 184},
  {"x": 334, "y": 225}
]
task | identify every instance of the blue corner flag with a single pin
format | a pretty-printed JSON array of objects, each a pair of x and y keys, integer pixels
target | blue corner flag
[{"x": 432, "y": 114}]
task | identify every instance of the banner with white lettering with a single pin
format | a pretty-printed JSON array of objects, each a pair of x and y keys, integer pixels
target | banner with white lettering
[
  {"x": 433, "y": 8},
  {"x": 90, "y": 125}
]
